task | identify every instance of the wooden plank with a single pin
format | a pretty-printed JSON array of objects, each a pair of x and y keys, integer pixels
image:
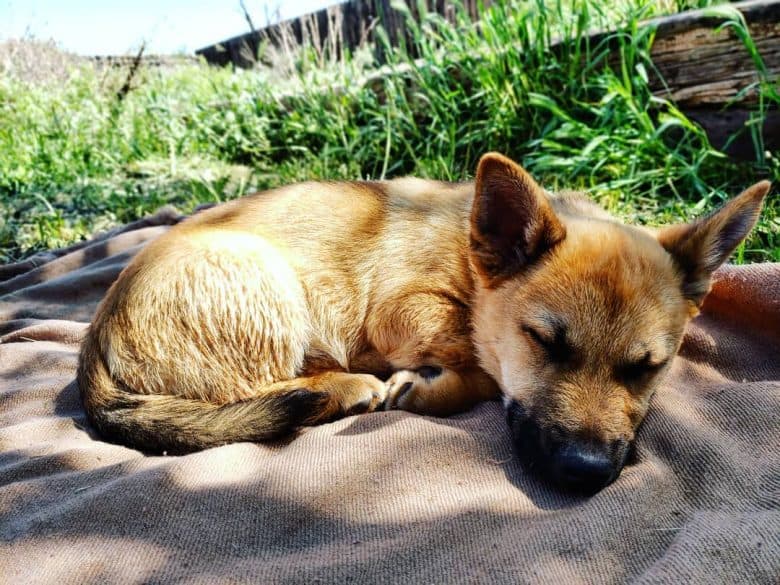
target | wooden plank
[
  {"x": 352, "y": 23},
  {"x": 707, "y": 70},
  {"x": 721, "y": 124},
  {"x": 705, "y": 66}
]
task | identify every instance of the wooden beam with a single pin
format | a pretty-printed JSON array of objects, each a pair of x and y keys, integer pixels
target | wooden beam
[{"x": 704, "y": 63}]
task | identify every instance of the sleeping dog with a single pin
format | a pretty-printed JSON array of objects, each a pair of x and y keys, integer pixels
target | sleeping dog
[{"x": 319, "y": 300}]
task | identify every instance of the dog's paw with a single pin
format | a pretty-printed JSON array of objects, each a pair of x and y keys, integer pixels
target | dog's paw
[
  {"x": 363, "y": 393},
  {"x": 412, "y": 390}
]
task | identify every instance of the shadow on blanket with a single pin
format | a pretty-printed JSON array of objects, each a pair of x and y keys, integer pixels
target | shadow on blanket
[
  {"x": 177, "y": 529},
  {"x": 385, "y": 497}
]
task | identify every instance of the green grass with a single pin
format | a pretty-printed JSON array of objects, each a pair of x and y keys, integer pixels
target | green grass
[{"x": 74, "y": 159}]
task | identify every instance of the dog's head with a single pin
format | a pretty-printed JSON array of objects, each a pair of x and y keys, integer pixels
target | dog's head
[{"x": 578, "y": 316}]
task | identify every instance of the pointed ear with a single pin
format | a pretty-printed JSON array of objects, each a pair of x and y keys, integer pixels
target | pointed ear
[
  {"x": 512, "y": 222},
  {"x": 699, "y": 248}
]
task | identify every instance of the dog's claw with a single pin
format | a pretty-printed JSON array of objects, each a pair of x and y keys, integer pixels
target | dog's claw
[{"x": 402, "y": 389}]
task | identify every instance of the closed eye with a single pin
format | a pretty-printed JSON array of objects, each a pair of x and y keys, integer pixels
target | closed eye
[
  {"x": 557, "y": 348},
  {"x": 635, "y": 372},
  {"x": 537, "y": 337}
]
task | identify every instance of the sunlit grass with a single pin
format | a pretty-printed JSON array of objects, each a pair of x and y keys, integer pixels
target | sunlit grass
[{"x": 73, "y": 159}]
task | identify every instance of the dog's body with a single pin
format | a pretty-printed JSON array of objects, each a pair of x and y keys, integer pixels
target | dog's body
[
  {"x": 305, "y": 287},
  {"x": 291, "y": 307}
]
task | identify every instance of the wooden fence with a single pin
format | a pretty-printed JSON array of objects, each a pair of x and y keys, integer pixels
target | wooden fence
[{"x": 341, "y": 26}]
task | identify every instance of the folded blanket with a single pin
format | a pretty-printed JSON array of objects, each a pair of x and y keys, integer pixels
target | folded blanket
[{"x": 386, "y": 497}]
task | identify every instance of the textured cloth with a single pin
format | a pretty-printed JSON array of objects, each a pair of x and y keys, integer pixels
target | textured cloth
[{"x": 384, "y": 497}]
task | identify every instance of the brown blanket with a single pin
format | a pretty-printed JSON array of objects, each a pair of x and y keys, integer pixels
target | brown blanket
[{"x": 385, "y": 497}]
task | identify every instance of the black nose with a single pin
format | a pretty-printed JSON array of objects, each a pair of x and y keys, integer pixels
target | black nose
[{"x": 584, "y": 467}]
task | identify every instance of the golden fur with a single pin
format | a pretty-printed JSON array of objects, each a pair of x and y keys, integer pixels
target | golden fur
[{"x": 296, "y": 305}]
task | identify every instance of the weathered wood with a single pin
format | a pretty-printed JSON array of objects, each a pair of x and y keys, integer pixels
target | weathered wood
[
  {"x": 703, "y": 65},
  {"x": 707, "y": 70},
  {"x": 721, "y": 125},
  {"x": 346, "y": 26}
]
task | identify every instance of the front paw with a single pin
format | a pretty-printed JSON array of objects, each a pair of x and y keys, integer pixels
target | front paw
[
  {"x": 362, "y": 393},
  {"x": 415, "y": 390}
]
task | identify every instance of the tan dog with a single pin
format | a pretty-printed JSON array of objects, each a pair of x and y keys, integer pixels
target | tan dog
[{"x": 290, "y": 307}]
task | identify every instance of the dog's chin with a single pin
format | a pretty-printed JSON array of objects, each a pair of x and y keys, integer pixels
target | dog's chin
[{"x": 562, "y": 460}]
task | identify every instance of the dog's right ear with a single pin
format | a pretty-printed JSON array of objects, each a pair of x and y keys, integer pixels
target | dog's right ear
[{"x": 512, "y": 222}]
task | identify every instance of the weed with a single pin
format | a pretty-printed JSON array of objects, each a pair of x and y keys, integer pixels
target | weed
[{"x": 524, "y": 80}]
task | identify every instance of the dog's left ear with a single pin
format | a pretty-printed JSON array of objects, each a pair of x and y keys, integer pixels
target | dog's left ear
[
  {"x": 512, "y": 222},
  {"x": 699, "y": 248}
]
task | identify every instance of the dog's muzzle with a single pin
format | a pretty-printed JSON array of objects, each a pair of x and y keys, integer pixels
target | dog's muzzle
[{"x": 568, "y": 461}]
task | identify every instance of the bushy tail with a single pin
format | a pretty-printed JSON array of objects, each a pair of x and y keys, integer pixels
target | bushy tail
[{"x": 174, "y": 425}]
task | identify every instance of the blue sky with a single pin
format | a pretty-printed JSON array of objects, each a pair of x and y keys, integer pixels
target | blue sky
[{"x": 116, "y": 27}]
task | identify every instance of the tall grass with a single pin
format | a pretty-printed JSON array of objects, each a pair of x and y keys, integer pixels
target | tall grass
[{"x": 73, "y": 159}]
